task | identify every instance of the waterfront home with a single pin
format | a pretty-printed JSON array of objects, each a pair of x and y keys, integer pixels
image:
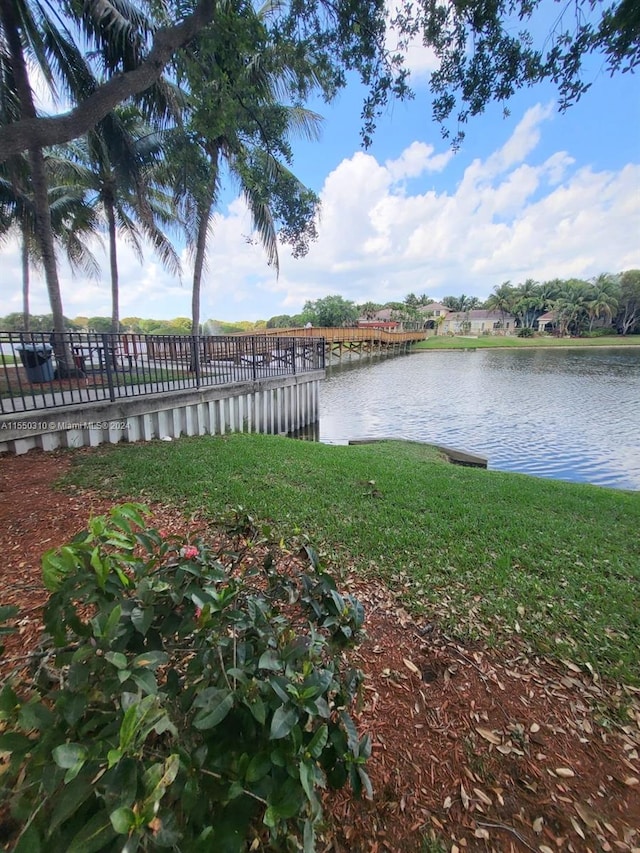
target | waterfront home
[
  {"x": 479, "y": 321},
  {"x": 547, "y": 322}
]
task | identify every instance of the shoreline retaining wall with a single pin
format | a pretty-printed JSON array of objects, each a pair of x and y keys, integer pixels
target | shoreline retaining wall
[{"x": 275, "y": 405}]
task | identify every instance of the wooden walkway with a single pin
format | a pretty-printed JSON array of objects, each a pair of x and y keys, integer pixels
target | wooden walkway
[{"x": 340, "y": 342}]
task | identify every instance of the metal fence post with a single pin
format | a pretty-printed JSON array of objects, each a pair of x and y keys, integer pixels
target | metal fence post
[
  {"x": 107, "y": 363},
  {"x": 140, "y": 365},
  {"x": 254, "y": 371},
  {"x": 195, "y": 357}
]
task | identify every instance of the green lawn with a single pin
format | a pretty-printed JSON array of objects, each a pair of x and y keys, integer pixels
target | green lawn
[
  {"x": 486, "y": 553},
  {"x": 488, "y": 342}
]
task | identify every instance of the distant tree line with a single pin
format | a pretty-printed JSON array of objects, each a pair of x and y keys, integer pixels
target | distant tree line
[
  {"x": 177, "y": 326},
  {"x": 578, "y": 306}
]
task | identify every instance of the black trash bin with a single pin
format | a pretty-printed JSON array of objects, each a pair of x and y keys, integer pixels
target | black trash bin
[{"x": 36, "y": 360}]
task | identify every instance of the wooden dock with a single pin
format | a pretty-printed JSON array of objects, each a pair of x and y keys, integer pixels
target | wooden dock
[{"x": 350, "y": 341}]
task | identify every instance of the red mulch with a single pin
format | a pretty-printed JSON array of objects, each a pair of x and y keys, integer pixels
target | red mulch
[{"x": 480, "y": 749}]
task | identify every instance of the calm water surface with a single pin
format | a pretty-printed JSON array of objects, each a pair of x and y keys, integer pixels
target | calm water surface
[{"x": 566, "y": 414}]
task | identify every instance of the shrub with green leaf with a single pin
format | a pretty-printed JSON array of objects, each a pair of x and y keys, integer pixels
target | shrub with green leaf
[{"x": 188, "y": 699}]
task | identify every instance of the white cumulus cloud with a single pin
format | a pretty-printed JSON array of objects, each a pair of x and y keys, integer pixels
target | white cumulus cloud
[{"x": 386, "y": 230}]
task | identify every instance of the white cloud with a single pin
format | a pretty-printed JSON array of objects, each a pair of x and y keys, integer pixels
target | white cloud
[
  {"x": 510, "y": 216},
  {"x": 419, "y": 60},
  {"x": 522, "y": 141},
  {"x": 415, "y": 160}
]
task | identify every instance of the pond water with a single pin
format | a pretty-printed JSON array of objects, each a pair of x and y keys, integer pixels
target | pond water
[{"x": 571, "y": 414}]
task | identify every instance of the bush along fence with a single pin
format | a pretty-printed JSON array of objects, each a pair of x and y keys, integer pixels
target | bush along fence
[
  {"x": 185, "y": 698},
  {"x": 47, "y": 370}
]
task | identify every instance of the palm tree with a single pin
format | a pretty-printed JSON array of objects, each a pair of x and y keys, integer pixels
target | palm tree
[
  {"x": 72, "y": 219},
  {"x": 461, "y": 304},
  {"x": 603, "y": 298},
  {"x": 570, "y": 306},
  {"x": 242, "y": 127},
  {"x": 117, "y": 166},
  {"x": 368, "y": 310},
  {"x": 528, "y": 303},
  {"x": 502, "y": 299},
  {"x": 628, "y": 316},
  {"x": 20, "y": 32},
  {"x": 36, "y": 34},
  {"x": 196, "y": 193}
]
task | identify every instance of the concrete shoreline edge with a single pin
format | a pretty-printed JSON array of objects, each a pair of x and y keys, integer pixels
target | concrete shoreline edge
[{"x": 454, "y": 455}]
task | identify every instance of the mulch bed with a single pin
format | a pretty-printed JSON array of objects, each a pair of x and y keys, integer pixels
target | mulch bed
[{"x": 484, "y": 750}]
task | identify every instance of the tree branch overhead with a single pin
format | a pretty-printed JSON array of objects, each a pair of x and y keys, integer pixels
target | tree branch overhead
[{"x": 45, "y": 131}]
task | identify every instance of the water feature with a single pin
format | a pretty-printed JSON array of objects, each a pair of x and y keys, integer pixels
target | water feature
[{"x": 571, "y": 414}]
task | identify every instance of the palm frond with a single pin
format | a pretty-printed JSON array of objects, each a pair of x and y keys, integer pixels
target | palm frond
[
  {"x": 264, "y": 226},
  {"x": 127, "y": 228},
  {"x": 80, "y": 257},
  {"x": 164, "y": 248},
  {"x": 73, "y": 73},
  {"x": 304, "y": 123}
]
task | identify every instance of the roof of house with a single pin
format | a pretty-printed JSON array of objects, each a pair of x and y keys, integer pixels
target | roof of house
[
  {"x": 432, "y": 307},
  {"x": 479, "y": 314},
  {"x": 383, "y": 314}
]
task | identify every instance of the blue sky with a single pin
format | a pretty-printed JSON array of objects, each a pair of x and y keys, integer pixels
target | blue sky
[{"x": 538, "y": 194}]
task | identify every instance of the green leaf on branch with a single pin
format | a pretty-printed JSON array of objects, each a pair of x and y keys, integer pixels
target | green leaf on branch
[
  {"x": 29, "y": 841},
  {"x": 69, "y": 754},
  {"x": 94, "y": 836},
  {"x": 8, "y": 611},
  {"x": 271, "y": 660},
  {"x": 258, "y": 767},
  {"x": 210, "y": 717},
  {"x": 8, "y": 701},
  {"x": 284, "y": 719},
  {"x": 56, "y": 564},
  {"x": 117, "y": 659},
  {"x": 318, "y": 742},
  {"x": 72, "y": 796},
  {"x": 151, "y": 659},
  {"x": 142, "y": 618},
  {"x": 163, "y": 776},
  {"x": 123, "y": 820},
  {"x": 146, "y": 681},
  {"x": 35, "y": 715}
]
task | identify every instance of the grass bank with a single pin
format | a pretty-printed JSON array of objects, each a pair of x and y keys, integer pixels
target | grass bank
[
  {"x": 488, "y": 553},
  {"x": 490, "y": 342}
]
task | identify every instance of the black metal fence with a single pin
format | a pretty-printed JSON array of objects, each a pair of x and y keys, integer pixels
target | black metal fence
[{"x": 47, "y": 370}]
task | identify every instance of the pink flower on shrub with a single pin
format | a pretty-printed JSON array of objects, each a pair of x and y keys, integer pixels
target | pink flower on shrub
[
  {"x": 190, "y": 552},
  {"x": 163, "y": 534}
]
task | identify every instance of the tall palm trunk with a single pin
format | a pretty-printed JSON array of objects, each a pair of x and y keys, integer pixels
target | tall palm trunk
[
  {"x": 113, "y": 265},
  {"x": 198, "y": 266},
  {"x": 25, "y": 280},
  {"x": 204, "y": 212},
  {"x": 44, "y": 235},
  {"x": 44, "y": 232}
]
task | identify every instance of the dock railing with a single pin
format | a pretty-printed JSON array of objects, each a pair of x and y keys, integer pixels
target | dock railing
[
  {"x": 336, "y": 334},
  {"x": 42, "y": 370}
]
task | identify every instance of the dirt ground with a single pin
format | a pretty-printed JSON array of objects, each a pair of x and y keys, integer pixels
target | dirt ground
[{"x": 479, "y": 749}]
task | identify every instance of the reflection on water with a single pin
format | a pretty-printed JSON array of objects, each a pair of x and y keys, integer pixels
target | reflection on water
[{"x": 567, "y": 414}]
